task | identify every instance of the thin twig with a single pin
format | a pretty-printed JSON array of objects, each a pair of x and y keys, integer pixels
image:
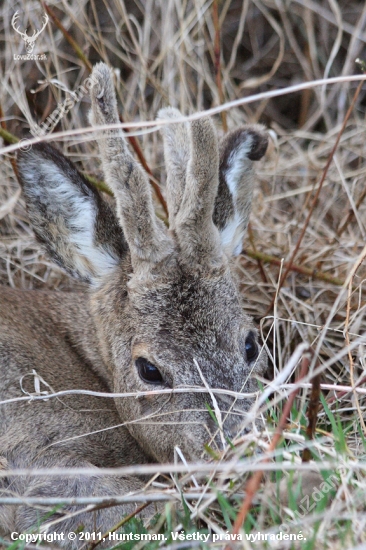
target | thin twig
[
  {"x": 341, "y": 391},
  {"x": 206, "y": 113},
  {"x": 259, "y": 261},
  {"x": 217, "y": 60},
  {"x": 197, "y": 468},
  {"x": 307, "y": 271}
]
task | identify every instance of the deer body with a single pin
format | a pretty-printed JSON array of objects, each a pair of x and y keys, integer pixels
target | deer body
[{"x": 162, "y": 311}]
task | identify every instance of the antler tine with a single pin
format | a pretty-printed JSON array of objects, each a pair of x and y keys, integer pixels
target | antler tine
[
  {"x": 13, "y": 22},
  {"x": 14, "y": 19},
  {"x": 147, "y": 237},
  {"x": 44, "y": 25},
  {"x": 37, "y": 33},
  {"x": 197, "y": 234}
]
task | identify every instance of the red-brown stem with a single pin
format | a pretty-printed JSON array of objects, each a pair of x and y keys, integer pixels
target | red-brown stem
[
  {"x": 79, "y": 52},
  {"x": 312, "y": 414},
  {"x": 259, "y": 261},
  {"x": 307, "y": 271}
]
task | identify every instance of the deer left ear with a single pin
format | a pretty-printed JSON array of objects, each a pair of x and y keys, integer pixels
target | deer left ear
[
  {"x": 69, "y": 217},
  {"x": 238, "y": 150}
]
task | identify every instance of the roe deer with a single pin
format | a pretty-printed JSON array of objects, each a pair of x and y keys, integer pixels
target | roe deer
[{"x": 163, "y": 310}]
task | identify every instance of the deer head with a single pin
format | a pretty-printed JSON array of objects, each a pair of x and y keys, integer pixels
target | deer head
[
  {"x": 29, "y": 40},
  {"x": 165, "y": 302}
]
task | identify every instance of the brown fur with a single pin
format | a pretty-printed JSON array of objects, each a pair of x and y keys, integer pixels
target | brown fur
[{"x": 168, "y": 298}]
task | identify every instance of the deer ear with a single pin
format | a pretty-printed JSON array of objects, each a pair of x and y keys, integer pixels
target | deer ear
[
  {"x": 147, "y": 236},
  {"x": 78, "y": 229},
  {"x": 238, "y": 150}
]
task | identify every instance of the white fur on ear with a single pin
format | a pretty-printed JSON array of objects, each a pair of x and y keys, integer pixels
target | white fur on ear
[
  {"x": 63, "y": 210},
  {"x": 238, "y": 169},
  {"x": 90, "y": 260},
  {"x": 238, "y": 150},
  {"x": 238, "y": 164},
  {"x": 232, "y": 236}
]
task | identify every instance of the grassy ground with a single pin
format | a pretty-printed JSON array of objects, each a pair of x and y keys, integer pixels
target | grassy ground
[{"x": 168, "y": 52}]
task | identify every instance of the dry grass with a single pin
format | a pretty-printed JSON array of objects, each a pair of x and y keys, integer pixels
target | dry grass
[{"x": 163, "y": 52}]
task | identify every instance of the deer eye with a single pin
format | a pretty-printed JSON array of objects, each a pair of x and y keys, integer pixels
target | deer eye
[
  {"x": 148, "y": 372},
  {"x": 251, "y": 347}
]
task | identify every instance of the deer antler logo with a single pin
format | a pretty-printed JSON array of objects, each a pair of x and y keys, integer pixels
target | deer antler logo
[{"x": 29, "y": 40}]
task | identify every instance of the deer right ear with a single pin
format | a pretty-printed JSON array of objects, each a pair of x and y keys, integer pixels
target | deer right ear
[
  {"x": 79, "y": 230},
  {"x": 238, "y": 150}
]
